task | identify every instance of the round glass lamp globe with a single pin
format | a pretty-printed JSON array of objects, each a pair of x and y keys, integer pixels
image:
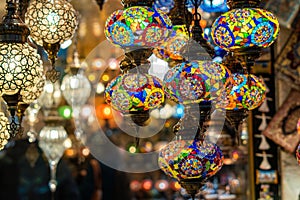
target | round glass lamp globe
[
  {"x": 76, "y": 89},
  {"x": 21, "y": 71},
  {"x": 184, "y": 159},
  {"x": 51, "y": 21},
  {"x": 51, "y": 141},
  {"x": 138, "y": 26},
  {"x": 135, "y": 92},
  {"x": 247, "y": 27},
  {"x": 195, "y": 81},
  {"x": 170, "y": 49},
  {"x": 243, "y": 91}
]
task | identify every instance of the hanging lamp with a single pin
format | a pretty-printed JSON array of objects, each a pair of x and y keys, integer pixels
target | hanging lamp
[
  {"x": 137, "y": 25},
  {"x": 170, "y": 49},
  {"x": 21, "y": 71},
  {"x": 52, "y": 140},
  {"x": 51, "y": 23},
  {"x": 196, "y": 81},
  {"x": 245, "y": 30},
  {"x": 137, "y": 29},
  {"x": 190, "y": 158},
  {"x": 76, "y": 89}
]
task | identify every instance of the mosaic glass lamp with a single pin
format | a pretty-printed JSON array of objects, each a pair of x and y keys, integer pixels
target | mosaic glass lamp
[
  {"x": 243, "y": 28},
  {"x": 4, "y": 134},
  {"x": 191, "y": 162},
  {"x": 192, "y": 82},
  {"x": 51, "y": 23},
  {"x": 135, "y": 92},
  {"x": 171, "y": 48},
  {"x": 137, "y": 26},
  {"x": 246, "y": 92}
]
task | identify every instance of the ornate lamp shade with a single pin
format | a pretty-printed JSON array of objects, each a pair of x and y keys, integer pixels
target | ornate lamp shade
[
  {"x": 21, "y": 71},
  {"x": 135, "y": 92},
  {"x": 4, "y": 134},
  {"x": 76, "y": 89},
  {"x": 247, "y": 27},
  {"x": 51, "y": 96},
  {"x": 170, "y": 49},
  {"x": 192, "y": 82},
  {"x": 52, "y": 141},
  {"x": 51, "y": 21},
  {"x": 164, "y": 5},
  {"x": 246, "y": 92},
  {"x": 190, "y": 160},
  {"x": 138, "y": 26}
]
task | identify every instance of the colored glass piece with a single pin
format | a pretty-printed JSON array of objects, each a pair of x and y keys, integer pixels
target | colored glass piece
[
  {"x": 247, "y": 27},
  {"x": 184, "y": 160},
  {"x": 192, "y": 82},
  {"x": 164, "y": 5},
  {"x": 210, "y": 5},
  {"x": 214, "y": 6},
  {"x": 170, "y": 48},
  {"x": 135, "y": 92},
  {"x": 137, "y": 26},
  {"x": 244, "y": 92}
]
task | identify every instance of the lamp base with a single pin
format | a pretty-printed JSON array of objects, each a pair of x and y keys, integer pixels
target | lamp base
[
  {"x": 236, "y": 118},
  {"x": 247, "y": 57},
  {"x": 192, "y": 186},
  {"x": 140, "y": 118}
]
